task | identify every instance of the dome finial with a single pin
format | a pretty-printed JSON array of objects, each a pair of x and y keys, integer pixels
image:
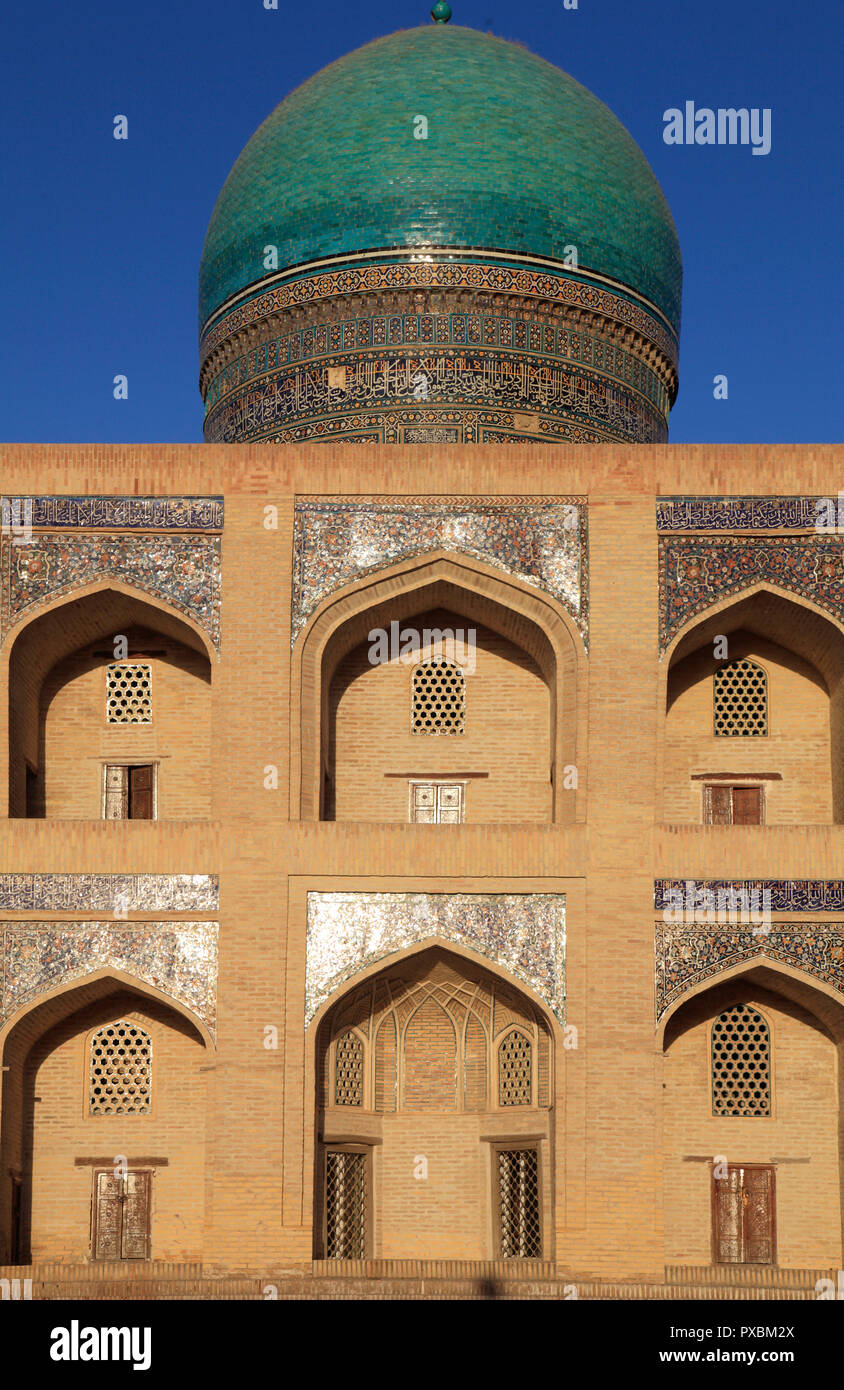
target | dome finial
[{"x": 441, "y": 13}]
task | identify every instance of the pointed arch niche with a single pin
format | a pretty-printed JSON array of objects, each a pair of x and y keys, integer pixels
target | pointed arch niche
[
  {"x": 793, "y": 750},
  {"x": 59, "y": 738},
  {"x": 796, "y": 1140},
  {"x": 432, "y": 1058},
  {"x": 354, "y": 754},
  {"x": 53, "y": 1140}
]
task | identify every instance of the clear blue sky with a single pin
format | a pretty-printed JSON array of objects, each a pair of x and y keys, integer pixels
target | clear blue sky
[{"x": 100, "y": 239}]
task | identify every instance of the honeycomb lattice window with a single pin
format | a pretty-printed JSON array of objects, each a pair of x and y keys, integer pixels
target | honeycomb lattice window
[
  {"x": 741, "y": 1063},
  {"x": 740, "y": 699},
  {"x": 514, "y": 1070},
  {"x": 438, "y": 703},
  {"x": 128, "y": 693},
  {"x": 348, "y": 1070},
  {"x": 346, "y": 1200},
  {"x": 519, "y": 1224},
  {"x": 121, "y": 1070}
]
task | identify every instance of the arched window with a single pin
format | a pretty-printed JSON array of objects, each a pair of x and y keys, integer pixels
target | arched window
[
  {"x": 121, "y": 1070},
  {"x": 514, "y": 1069},
  {"x": 348, "y": 1069},
  {"x": 438, "y": 702},
  {"x": 740, "y": 700},
  {"x": 741, "y": 1063}
]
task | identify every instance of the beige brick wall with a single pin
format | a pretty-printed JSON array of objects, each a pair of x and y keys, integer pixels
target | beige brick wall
[{"x": 613, "y": 1213}]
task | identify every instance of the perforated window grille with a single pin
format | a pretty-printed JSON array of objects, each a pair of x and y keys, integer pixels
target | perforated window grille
[
  {"x": 348, "y": 1070},
  {"x": 346, "y": 1199},
  {"x": 128, "y": 693},
  {"x": 741, "y": 1063},
  {"x": 740, "y": 699},
  {"x": 121, "y": 1070},
  {"x": 520, "y": 1225},
  {"x": 514, "y": 1066},
  {"x": 438, "y": 704}
]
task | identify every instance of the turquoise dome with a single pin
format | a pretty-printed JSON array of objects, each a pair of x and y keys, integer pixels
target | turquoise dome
[{"x": 518, "y": 158}]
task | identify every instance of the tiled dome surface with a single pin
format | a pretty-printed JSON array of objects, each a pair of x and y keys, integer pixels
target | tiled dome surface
[{"x": 519, "y": 157}]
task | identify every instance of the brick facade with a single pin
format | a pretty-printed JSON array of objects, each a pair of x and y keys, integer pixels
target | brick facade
[{"x": 247, "y": 743}]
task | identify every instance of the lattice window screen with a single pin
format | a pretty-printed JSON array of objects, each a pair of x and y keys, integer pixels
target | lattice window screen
[
  {"x": 348, "y": 1070},
  {"x": 520, "y": 1224},
  {"x": 740, "y": 699},
  {"x": 128, "y": 693},
  {"x": 514, "y": 1070},
  {"x": 438, "y": 704},
  {"x": 741, "y": 1063},
  {"x": 346, "y": 1200},
  {"x": 121, "y": 1070}
]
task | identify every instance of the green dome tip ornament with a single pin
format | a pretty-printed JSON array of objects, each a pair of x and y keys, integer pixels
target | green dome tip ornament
[{"x": 441, "y": 13}]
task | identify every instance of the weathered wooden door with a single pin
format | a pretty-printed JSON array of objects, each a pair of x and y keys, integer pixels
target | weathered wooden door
[
  {"x": 122, "y": 1215},
  {"x": 744, "y": 1217}
]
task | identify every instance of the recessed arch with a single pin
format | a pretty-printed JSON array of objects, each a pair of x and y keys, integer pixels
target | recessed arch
[
  {"x": 45, "y": 644},
  {"x": 524, "y": 615},
  {"x": 801, "y": 648},
  {"x": 47, "y": 1118},
  {"x": 777, "y": 977}
]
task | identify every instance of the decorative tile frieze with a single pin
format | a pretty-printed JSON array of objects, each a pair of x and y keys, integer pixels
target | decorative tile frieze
[
  {"x": 303, "y": 287},
  {"x": 696, "y": 572},
  {"x": 182, "y": 571},
  {"x": 105, "y": 892},
  {"x": 786, "y": 894},
  {"x": 540, "y": 541},
  {"x": 686, "y": 955},
  {"x": 121, "y": 513},
  {"x": 178, "y": 958},
  {"x": 522, "y": 932},
  {"x": 736, "y": 513}
]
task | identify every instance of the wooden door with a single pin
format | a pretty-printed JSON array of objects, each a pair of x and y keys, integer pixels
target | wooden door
[
  {"x": 140, "y": 793},
  {"x": 122, "y": 1215},
  {"x": 744, "y": 1216},
  {"x": 747, "y": 805}
]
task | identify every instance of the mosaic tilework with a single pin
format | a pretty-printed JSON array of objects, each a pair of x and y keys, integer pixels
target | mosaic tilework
[
  {"x": 102, "y": 892},
  {"x": 560, "y": 289},
  {"x": 183, "y": 571},
  {"x": 179, "y": 958},
  {"x": 470, "y": 426},
  {"x": 126, "y": 513},
  {"x": 698, "y": 571},
  {"x": 786, "y": 895},
  {"x": 685, "y": 955},
  {"x": 379, "y": 382},
  {"x": 433, "y": 333},
  {"x": 522, "y": 932},
  {"x": 736, "y": 513},
  {"x": 541, "y": 541}
]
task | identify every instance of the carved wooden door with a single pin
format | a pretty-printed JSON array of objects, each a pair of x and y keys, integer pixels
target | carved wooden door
[
  {"x": 122, "y": 1215},
  {"x": 743, "y": 1215}
]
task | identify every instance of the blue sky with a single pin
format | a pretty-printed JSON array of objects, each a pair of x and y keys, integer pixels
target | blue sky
[{"x": 100, "y": 239}]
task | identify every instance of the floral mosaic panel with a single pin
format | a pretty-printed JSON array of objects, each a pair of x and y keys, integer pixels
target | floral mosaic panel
[
  {"x": 525, "y": 933},
  {"x": 736, "y": 513},
  {"x": 696, "y": 572},
  {"x": 686, "y": 955},
  {"x": 178, "y": 958},
  {"x": 542, "y": 542},
  {"x": 122, "y": 513},
  {"x": 104, "y": 892},
  {"x": 786, "y": 895},
  {"x": 183, "y": 571}
]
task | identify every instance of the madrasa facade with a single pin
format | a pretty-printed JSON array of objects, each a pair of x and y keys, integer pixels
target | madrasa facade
[{"x": 419, "y": 855}]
